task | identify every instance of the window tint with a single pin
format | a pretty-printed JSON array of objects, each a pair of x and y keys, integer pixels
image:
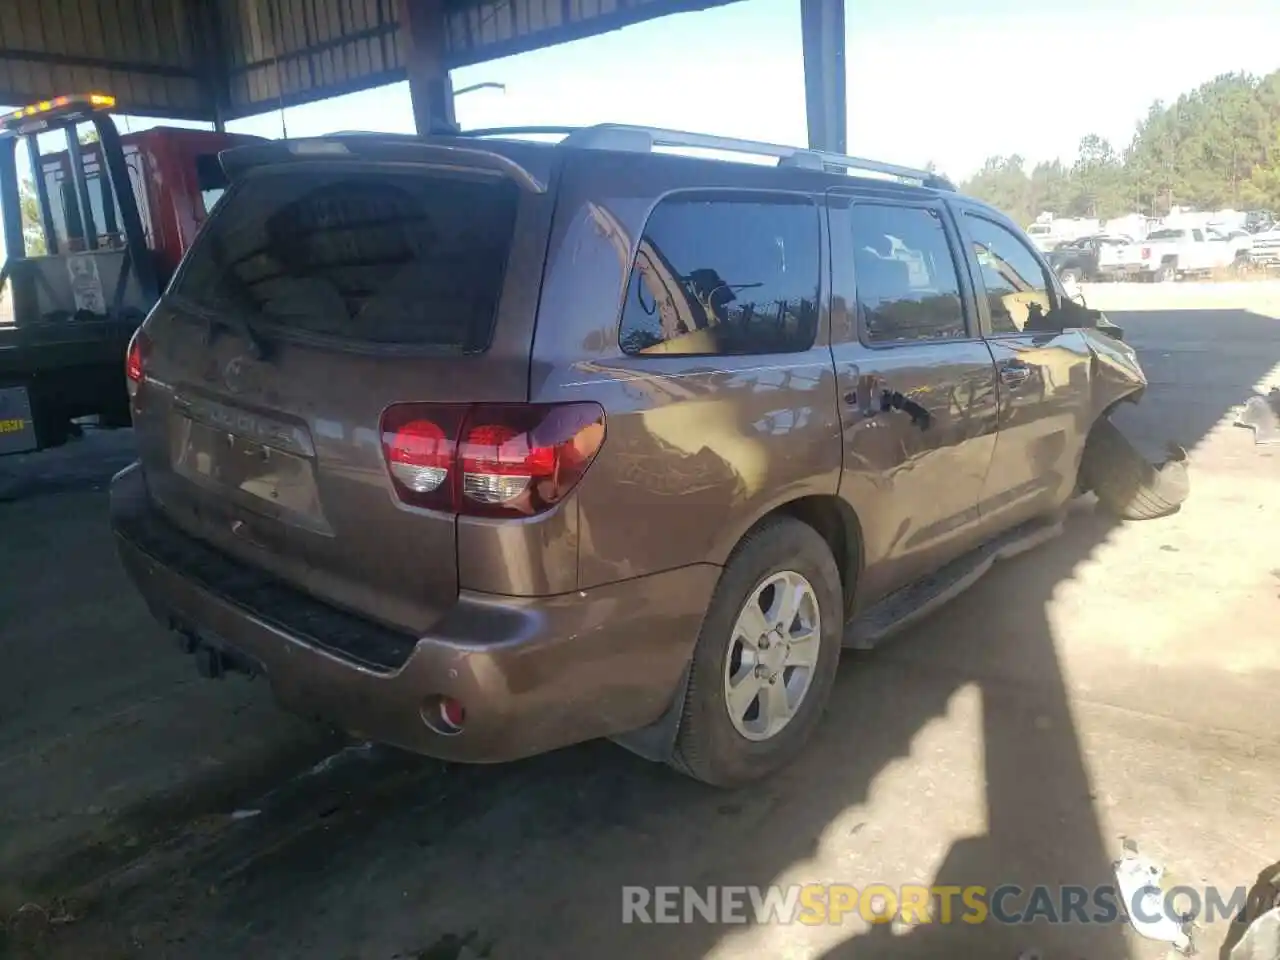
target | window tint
[
  {"x": 1016, "y": 286},
  {"x": 906, "y": 279},
  {"x": 728, "y": 275},
  {"x": 1197, "y": 235},
  {"x": 379, "y": 257}
]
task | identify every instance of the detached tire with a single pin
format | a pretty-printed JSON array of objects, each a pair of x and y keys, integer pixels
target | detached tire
[
  {"x": 715, "y": 744},
  {"x": 1125, "y": 483}
]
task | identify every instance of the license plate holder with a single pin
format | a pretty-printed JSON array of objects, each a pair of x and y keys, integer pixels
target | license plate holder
[{"x": 17, "y": 426}]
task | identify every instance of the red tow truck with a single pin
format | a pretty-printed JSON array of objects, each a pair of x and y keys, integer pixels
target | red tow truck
[{"x": 113, "y": 217}]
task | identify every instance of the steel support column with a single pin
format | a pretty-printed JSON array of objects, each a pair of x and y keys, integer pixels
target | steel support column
[
  {"x": 822, "y": 32},
  {"x": 429, "y": 85}
]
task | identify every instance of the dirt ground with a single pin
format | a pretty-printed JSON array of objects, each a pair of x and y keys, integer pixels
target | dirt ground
[{"x": 1116, "y": 684}]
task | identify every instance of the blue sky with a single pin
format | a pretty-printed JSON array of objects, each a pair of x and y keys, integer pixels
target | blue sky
[{"x": 927, "y": 79}]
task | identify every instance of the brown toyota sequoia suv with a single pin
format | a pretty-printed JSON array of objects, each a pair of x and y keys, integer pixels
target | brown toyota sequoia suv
[{"x": 482, "y": 447}]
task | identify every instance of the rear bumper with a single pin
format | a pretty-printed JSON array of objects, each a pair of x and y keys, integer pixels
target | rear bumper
[
  {"x": 1119, "y": 271},
  {"x": 534, "y": 674}
]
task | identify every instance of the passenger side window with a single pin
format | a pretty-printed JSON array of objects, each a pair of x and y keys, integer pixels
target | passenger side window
[
  {"x": 724, "y": 275},
  {"x": 1018, "y": 290},
  {"x": 1197, "y": 236},
  {"x": 908, "y": 289}
]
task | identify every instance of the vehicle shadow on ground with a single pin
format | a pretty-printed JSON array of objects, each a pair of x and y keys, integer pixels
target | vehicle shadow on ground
[{"x": 384, "y": 855}]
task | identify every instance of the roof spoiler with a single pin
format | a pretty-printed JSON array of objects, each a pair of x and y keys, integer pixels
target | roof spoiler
[{"x": 237, "y": 161}]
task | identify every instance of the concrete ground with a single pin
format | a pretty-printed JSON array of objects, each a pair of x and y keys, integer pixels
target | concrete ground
[{"x": 1116, "y": 684}]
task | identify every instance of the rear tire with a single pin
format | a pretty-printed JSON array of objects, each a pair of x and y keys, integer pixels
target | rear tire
[
  {"x": 1125, "y": 483},
  {"x": 712, "y": 745},
  {"x": 1167, "y": 273},
  {"x": 1070, "y": 275}
]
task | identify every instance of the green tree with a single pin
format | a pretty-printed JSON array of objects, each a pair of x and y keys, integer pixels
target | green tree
[
  {"x": 1216, "y": 146},
  {"x": 32, "y": 231},
  {"x": 1003, "y": 183}
]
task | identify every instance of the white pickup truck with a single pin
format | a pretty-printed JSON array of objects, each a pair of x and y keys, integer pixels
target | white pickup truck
[
  {"x": 1173, "y": 252},
  {"x": 1266, "y": 247}
]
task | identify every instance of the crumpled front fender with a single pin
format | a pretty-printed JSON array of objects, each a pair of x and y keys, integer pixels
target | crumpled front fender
[{"x": 1117, "y": 375}]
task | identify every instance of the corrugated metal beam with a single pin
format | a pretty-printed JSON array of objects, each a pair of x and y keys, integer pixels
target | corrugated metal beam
[
  {"x": 466, "y": 46},
  {"x": 822, "y": 34},
  {"x": 211, "y": 59},
  {"x": 98, "y": 63},
  {"x": 430, "y": 89},
  {"x": 147, "y": 53},
  {"x": 345, "y": 46}
]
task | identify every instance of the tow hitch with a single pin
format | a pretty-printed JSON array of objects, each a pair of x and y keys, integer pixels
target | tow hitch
[{"x": 213, "y": 661}]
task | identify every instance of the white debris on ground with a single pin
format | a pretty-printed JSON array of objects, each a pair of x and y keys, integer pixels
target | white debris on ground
[
  {"x": 1139, "y": 880},
  {"x": 1262, "y": 415}
]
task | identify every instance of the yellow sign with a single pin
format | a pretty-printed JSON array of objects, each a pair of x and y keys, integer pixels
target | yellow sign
[{"x": 12, "y": 426}]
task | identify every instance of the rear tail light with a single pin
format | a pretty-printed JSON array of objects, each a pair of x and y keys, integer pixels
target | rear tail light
[
  {"x": 420, "y": 456},
  {"x": 135, "y": 361},
  {"x": 489, "y": 459},
  {"x": 1146, "y": 253}
]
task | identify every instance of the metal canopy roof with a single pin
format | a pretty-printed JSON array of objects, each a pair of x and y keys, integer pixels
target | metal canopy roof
[{"x": 188, "y": 59}]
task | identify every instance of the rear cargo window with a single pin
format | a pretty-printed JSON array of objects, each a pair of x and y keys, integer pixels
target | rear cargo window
[
  {"x": 389, "y": 258},
  {"x": 725, "y": 275}
]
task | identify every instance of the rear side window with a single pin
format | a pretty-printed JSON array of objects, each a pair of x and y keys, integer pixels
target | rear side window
[
  {"x": 380, "y": 257},
  {"x": 725, "y": 276},
  {"x": 908, "y": 288}
]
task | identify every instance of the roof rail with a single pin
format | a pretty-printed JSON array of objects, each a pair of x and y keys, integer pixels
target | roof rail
[
  {"x": 525, "y": 131},
  {"x": 633, "y": 139}
]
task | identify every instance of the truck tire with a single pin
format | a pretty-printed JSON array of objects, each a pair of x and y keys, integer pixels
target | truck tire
[
  {"x": 1125, "y": 483},
  {"x": 1070, "y": 275},
  {"x": 713, "y": 743},
  {"x": 1167, "y": 273}
]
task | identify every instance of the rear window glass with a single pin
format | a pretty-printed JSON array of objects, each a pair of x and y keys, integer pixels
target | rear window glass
[
  {"x": 393, "y": 258},
  {"x": 731, "y": 275}
]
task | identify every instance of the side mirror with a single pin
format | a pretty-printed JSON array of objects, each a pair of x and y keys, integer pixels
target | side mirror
[
  {"x": 1072, "y": 289},
  {"x": 1076, "y": 313},
  {"x": 1097, "y": 320}
]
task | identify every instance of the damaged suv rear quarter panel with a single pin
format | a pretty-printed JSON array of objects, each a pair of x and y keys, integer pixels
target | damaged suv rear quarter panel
[{"x": 710, "y": 443}]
